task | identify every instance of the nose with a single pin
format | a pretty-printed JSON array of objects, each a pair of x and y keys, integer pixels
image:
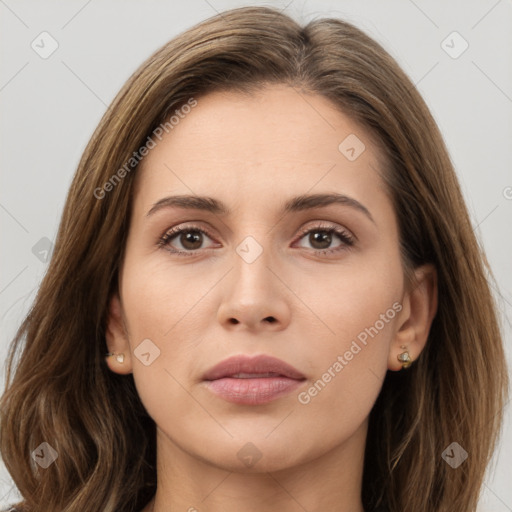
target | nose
[{"x": 255, "y": 297}]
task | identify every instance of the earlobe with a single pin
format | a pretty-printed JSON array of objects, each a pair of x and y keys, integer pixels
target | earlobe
[
  {"x": 415, "y": 320},
  {"x": 118, "y": 357}
]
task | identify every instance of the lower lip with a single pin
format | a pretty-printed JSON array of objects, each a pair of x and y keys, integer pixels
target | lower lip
[{"x": 252, "y": 391}]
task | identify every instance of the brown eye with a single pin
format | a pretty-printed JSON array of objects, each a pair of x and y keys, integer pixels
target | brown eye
[
  {"x": 184, "y": 240},
  {"x": 321, "y": 239},
  {"x": 191, "y": 239}
]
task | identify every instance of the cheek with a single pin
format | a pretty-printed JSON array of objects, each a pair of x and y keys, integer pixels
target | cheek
[
  {"x": 158, "y": 308},
  {"x": 353, "y": 362},
  {"x": 350, "y": 298},
  {"x": 350, "y": 365},
  {"x": 358, "y": 309},
  {"x": 156, "y": 297},
  {"x": 167, "y": 307}
]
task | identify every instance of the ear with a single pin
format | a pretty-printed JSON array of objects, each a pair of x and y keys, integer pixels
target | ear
[
  {"x": 415, "y": 319},
  {"x": 117, "y": 338}
]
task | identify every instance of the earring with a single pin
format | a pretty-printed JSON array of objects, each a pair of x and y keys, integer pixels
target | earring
[
  {"x": 404, "y": 358},
  {"x": 119, "y": 357}
]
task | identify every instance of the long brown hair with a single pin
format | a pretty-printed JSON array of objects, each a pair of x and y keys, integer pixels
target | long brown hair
[{"x": 58, "y": 387}]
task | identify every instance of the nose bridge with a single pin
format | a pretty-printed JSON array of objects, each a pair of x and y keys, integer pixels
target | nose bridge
[
  {"x": 252, "y": 262},
  {"x": 252, "y": 279},
  {"x": 254, "y": 295}
]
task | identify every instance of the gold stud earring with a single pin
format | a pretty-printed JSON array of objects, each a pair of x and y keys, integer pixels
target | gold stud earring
[
  {"x": 404, "y": 358},
  {"x": 119, "y": 357}
]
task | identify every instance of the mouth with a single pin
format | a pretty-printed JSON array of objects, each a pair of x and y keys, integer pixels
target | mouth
[
  {"x": 254, "y": 375},
  {"x": 252, "y": 380}
]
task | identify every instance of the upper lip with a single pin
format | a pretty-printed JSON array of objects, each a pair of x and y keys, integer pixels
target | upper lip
[{"x": 256, "y": 364}]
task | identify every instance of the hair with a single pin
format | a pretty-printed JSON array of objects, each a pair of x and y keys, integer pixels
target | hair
[{"x": 60, "y": 390}]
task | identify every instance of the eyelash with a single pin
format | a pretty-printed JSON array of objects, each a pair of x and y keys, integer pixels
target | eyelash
[{"x": 345, "y": 237}]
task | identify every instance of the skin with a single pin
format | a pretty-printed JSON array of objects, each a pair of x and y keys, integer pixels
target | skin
[{"x": 253, "y": 153}]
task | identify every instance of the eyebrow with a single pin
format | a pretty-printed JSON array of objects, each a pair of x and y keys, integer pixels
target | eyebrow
[{"x": 295, "y": 204}]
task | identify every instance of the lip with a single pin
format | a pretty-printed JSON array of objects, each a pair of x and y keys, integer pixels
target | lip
[
  {"x": 256, "y": 364},
  {"x": 221, "y": 379}
]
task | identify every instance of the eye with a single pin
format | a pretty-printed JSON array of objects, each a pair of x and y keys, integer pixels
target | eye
[
  {"x": 321, "y": 238},
  {"x": 189, "y": 237}
]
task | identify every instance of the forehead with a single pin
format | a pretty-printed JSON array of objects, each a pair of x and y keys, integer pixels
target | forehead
[{"x": 278, "y": 141}]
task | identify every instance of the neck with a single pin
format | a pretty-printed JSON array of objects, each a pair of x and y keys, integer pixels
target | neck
[{"x": 331, "y": 482}]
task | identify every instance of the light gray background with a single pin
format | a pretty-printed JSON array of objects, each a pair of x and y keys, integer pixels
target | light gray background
[{"x": 51, "y": 106}]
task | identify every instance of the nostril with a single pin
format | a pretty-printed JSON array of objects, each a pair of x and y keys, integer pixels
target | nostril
[{"x": 269, "y": 319}]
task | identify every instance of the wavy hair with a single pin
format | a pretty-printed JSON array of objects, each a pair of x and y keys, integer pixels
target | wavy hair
[{"x": 59, "y": 389}]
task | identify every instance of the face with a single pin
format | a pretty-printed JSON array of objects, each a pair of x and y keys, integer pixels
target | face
[{"x": 318, "y": 285}]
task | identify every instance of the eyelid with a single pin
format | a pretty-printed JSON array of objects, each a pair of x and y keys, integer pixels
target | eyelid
[
  {"x": 176, "y": 230},
  {"x": 327, "y": 225}
]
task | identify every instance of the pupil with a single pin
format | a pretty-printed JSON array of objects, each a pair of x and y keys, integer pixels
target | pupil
[
  {"x": 322, "y": 237},
  {"x": 191, "y": 240}
]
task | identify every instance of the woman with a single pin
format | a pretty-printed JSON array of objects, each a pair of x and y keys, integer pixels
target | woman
[{"x": 265, "y": 293}]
